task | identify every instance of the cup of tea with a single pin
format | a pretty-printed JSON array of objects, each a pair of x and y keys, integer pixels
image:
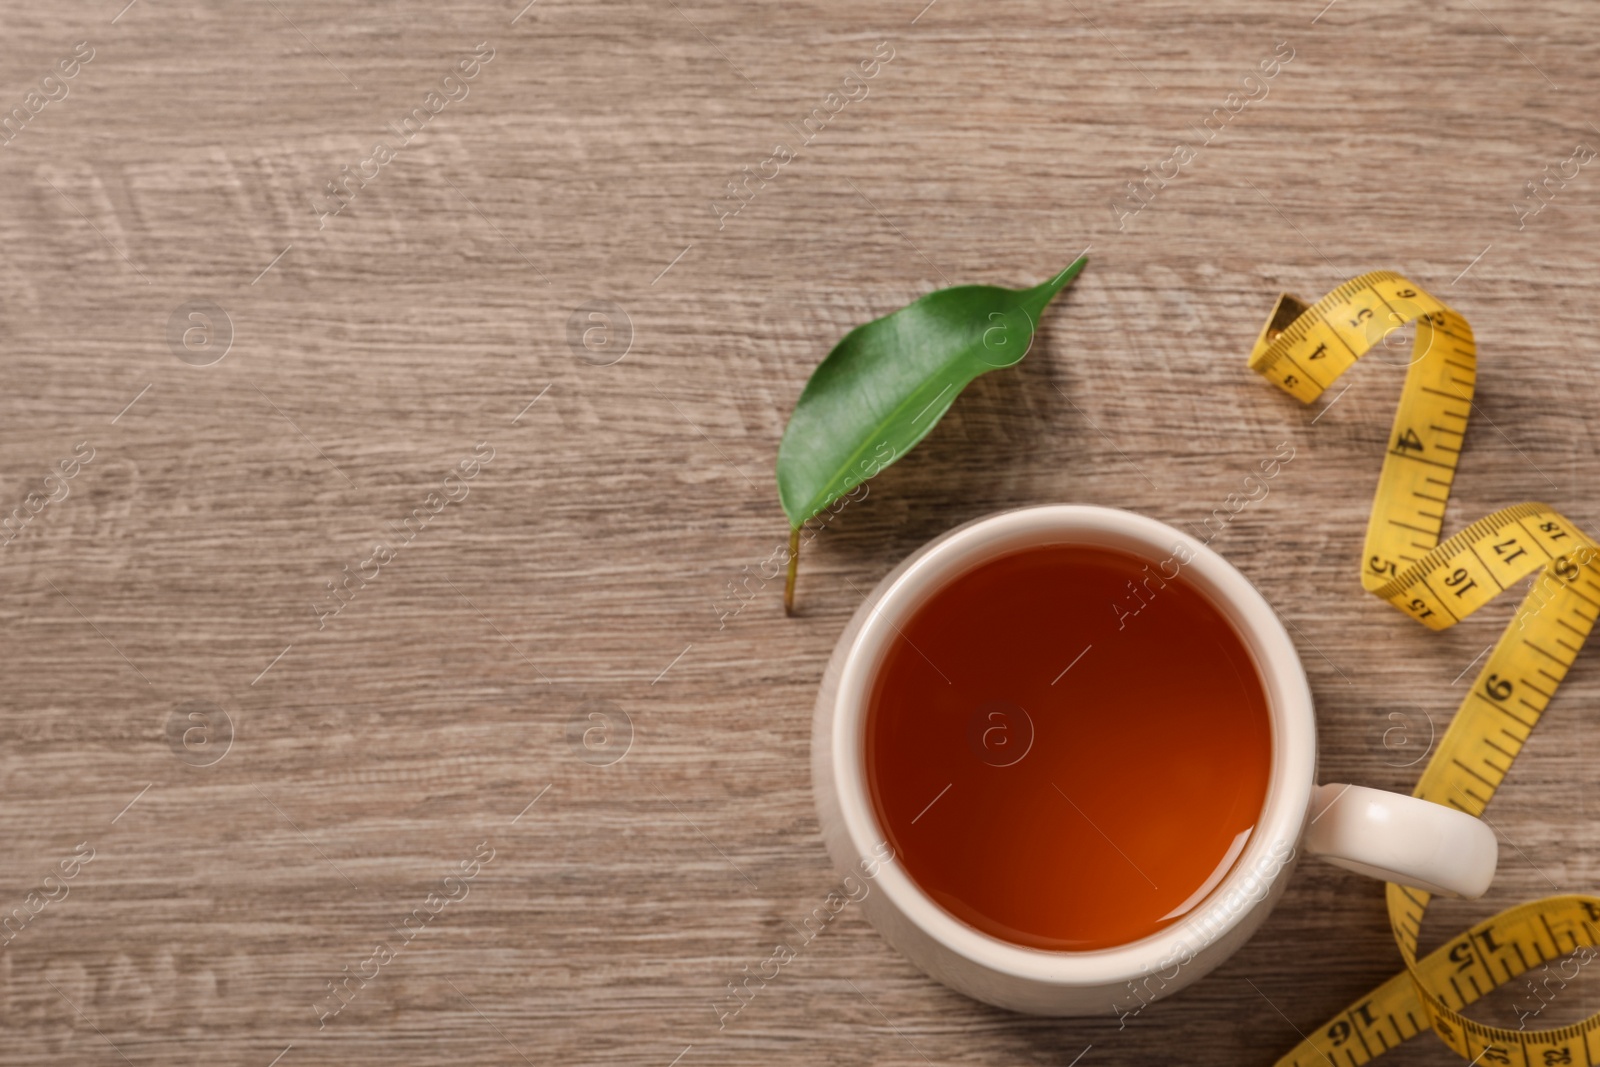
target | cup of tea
[{"x": 1078, "y": 750}]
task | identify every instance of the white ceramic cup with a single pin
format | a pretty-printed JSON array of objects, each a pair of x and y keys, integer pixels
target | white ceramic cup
[{"x": 1386, "y": 835}]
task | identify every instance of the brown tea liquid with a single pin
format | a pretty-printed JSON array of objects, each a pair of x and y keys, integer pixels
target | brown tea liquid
[{"x": 1064, "y": 762}]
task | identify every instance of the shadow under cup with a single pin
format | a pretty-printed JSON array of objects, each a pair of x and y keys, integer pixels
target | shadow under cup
[{"x": 1068, "y": 746}]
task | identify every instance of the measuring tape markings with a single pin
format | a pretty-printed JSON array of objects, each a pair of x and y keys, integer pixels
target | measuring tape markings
[{"x": 1304, "y": 349}]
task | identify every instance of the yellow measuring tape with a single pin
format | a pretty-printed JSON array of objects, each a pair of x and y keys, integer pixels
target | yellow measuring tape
[{"x": 1302, "y": 350}]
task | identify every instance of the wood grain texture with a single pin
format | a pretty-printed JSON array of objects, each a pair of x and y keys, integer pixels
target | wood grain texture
[{"x": 595, "y": 551}]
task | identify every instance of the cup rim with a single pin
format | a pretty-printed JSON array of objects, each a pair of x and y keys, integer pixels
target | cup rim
[{"x": 1270, "y": 848}]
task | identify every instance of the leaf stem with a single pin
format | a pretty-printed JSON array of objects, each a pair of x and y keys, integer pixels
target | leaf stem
[{"x": 794, "y": 565}]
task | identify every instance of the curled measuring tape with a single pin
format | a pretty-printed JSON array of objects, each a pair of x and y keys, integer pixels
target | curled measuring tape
[{"x": 1302, "y": 350}]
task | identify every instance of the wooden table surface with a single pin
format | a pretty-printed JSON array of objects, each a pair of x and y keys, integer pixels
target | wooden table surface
[{"x": 269, "y": 789}]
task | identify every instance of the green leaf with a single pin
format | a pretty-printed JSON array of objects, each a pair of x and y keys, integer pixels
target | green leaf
[{"x": 886, "y": 384}]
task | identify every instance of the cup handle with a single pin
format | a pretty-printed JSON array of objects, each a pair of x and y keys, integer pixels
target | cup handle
[{"x": 1402, "y": 839}]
